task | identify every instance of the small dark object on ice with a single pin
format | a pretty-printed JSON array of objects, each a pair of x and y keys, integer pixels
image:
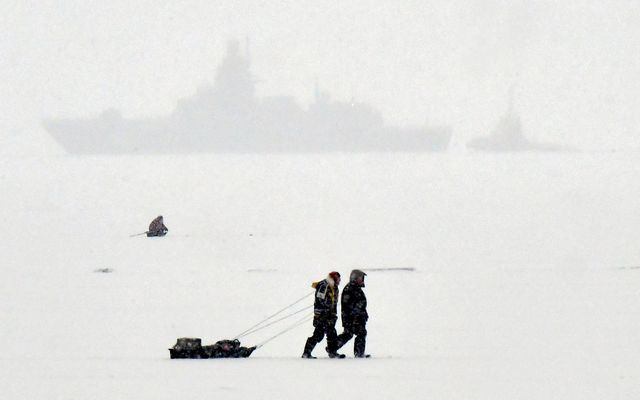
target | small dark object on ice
[
  {"x": 193, "y": 348},
  {"x": 103, "y": 270},
  {"x": 157, "y": 227}
]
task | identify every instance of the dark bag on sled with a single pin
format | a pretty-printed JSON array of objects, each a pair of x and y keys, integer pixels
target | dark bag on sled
[
  {"x": 187, "y": 348},
  {"x": 227, "y": 349}
]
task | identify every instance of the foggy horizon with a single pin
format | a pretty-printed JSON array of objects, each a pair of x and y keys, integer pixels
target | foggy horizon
[{"x": 437, "y": 63}]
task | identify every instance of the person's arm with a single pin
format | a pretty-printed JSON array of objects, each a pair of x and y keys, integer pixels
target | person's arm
[
  {"x": 360, "y": 307},
  {"x": 347, "y": 307}
]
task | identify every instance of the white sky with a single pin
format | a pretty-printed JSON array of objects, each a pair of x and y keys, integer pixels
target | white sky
[{"x": 574, "y": 63}]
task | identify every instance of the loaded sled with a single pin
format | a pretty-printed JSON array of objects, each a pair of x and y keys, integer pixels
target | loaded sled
[
  {"x": 230, "y": 348},
  {"x": 193, "y": 348}
]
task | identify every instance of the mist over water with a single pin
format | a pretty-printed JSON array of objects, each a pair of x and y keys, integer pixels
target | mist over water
[{"x": 436, "y": 63}]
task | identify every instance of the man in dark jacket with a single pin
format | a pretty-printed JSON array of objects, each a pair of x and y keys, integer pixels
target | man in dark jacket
[
  {"x": 157, "y": 228},
  {"x": 354, "y": 314},
  {"x": 325, "y": 316}
]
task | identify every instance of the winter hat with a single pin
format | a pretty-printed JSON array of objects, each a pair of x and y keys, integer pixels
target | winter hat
[
  {"x": 334, "y": 276},
  {"x": 355, "y": 274}
]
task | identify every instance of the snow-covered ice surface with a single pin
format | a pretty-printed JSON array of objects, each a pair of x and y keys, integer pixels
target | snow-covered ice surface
[{"x": 526, "y": 281}]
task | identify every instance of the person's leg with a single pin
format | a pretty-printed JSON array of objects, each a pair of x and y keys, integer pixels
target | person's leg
[
  {"x": 344, "y": 337},
  {"x": 332, "y": 339},
  {"x": 361, "y": 340},
  {"x": 318, "y": 335}
]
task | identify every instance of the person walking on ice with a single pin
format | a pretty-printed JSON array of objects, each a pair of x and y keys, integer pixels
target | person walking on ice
[
  {"x": 354, "y": 314},
  {"x": 325, "y": 316}
]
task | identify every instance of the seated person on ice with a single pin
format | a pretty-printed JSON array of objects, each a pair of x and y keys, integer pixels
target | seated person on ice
[{"x": 157, "y": 228}]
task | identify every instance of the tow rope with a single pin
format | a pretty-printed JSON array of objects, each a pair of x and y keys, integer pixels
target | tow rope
[{"x": 258, "y": 326}]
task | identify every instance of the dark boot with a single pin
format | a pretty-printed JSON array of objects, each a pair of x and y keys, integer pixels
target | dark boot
[
  {"x": 308, "y": 348},
  {"x": 334, "y": 354},
  {"x": 359, "y": 345},
  {"x": 343, "y": 338}
]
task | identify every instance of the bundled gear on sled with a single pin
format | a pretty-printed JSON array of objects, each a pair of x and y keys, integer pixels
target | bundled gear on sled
[
  {"x": 193, "y": 348},
  {"x": 231, "y": 348}
]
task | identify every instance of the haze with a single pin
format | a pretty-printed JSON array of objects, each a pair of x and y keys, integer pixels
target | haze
[{"x": 573, "y": 64}]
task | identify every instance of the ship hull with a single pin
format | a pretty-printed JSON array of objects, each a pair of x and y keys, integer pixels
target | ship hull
[{"x": 167, "y": 137}]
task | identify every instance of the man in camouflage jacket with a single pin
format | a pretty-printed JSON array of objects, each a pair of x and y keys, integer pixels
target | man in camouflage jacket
[{"x": 354, "y": 314}]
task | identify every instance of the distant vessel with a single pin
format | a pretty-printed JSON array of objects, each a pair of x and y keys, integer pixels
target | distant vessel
[
  {"x": 507, "y": 136},
  {"x": 227, "y": 117}
]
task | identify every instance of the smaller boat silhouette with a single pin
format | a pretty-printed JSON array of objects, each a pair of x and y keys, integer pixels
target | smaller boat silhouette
[{"x": 507, "y": 135}]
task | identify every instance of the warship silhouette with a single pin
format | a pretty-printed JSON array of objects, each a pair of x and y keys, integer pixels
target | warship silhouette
[
  {"x": 227, "y": 117},
  {"x": 507, "y": 136}
]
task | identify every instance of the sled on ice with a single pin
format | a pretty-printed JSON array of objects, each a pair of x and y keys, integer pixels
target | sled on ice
[{"x": 193, "y": 348}]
